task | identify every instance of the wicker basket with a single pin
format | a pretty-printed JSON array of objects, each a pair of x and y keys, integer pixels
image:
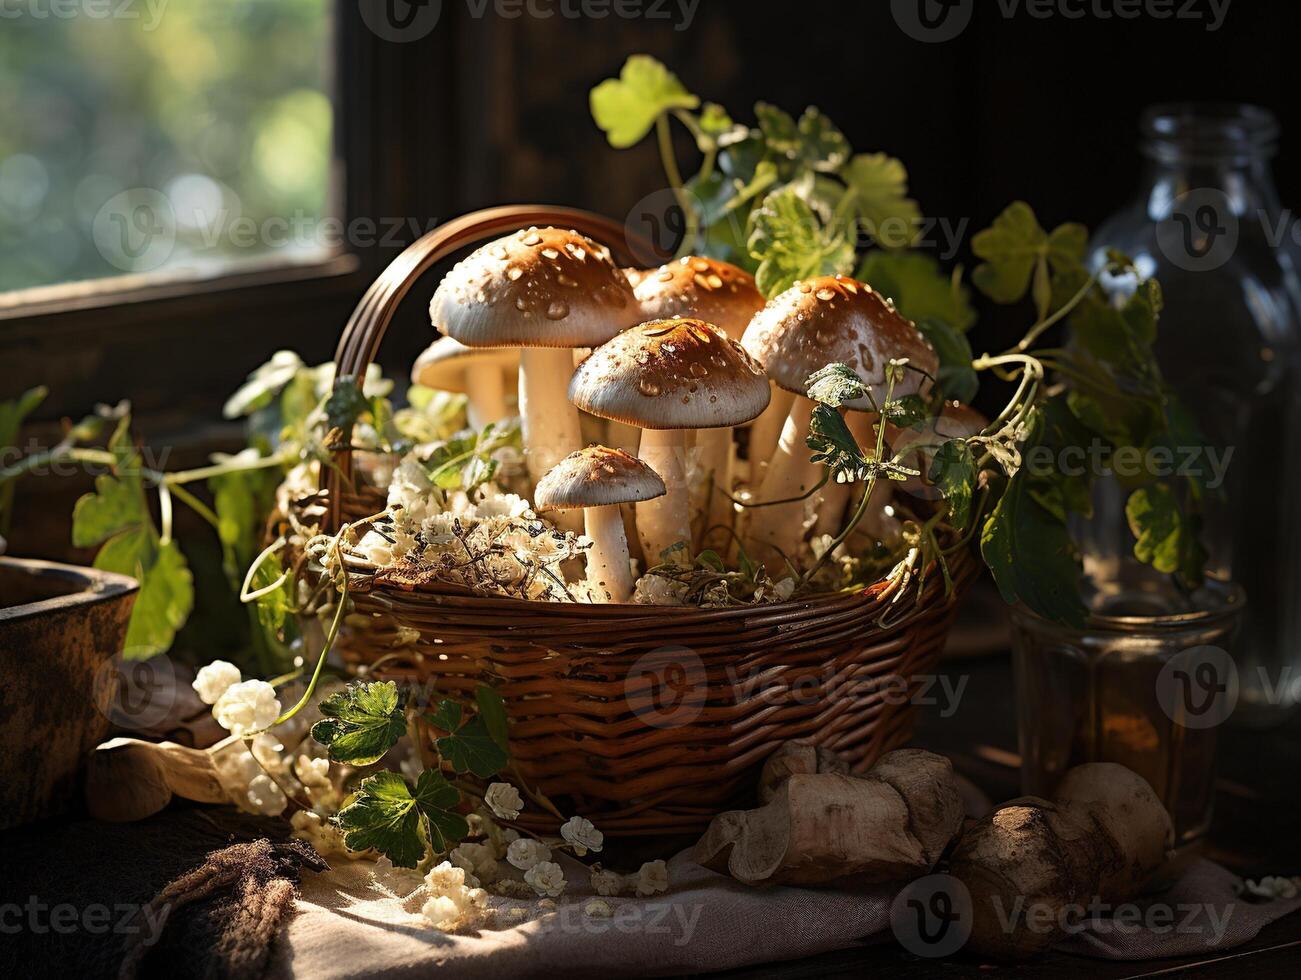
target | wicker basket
[{"x": 648, "y": 720}]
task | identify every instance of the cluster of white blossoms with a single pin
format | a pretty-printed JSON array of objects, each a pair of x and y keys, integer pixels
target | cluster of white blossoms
[
  {"x": 257, "y": 771},
  {"x": 650, "y": 879},
  {"x": 452, "y": 898},
  {"x": 1270, "y": 887}
]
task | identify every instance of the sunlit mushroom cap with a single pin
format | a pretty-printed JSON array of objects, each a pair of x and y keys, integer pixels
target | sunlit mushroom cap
[
  {"x": 540, "y": 287},
  {"x": 594, "y": 477},
  {"x": 716, "y": 292},
  {"x": 635, "y": 276},
  {"x": 671, "y": 374},
  {"x": 836, "y": 319},
  {"x": 442, "y": 364}
]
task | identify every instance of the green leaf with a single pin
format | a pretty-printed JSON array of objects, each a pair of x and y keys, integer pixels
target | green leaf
[
  {"x": 791, "y": 244},
  {"x": 1030, "y": 553},
  {"x": 264, "y": 384},
  {"x": 957, "y": 378},
  {"x": 953, "y": 473},
  {"x": 387, "y": 816},
  {"x": 919, "y": 288},
  {"x": 467, "y": 461},
  {"x": 907, "y": 411},
  {"x": 362, "y": 723},
  {"x": 814, "y": 143},
  {"x": 471, "y": 746},
  {"x": 13, "y": 412},
  {"x": 1165, "y": 537},
  {"x": 347, "y": 403},
  {"x": 1016, "y": 248},
  {"x": 493, "y": 712},
  {"x": 117, "y": 504},
  {"x": 834, "y": 446},
  {"x": 166, "y": 594},
  {"x": 626, "y": 107},
  {"x": 836, "y": 384},
  {"x": 878, "y": 184}
]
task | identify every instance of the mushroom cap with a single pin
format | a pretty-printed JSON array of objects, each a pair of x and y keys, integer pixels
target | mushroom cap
[
  {"x": 671, "y": 374},
  {"x": 635, "y": 275},
  {"x": 594, "y": 477},
  {"x": 442, "y": 364},
  {"x": 540, "y": 287},
  {"x": 955, "y": 421},
  {"x": 716, "y": 292},
  {"x": 836, "y": 319}
]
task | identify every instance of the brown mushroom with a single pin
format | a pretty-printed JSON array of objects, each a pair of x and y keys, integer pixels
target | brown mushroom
[
  {"x": 821, "y": 321},
  {"x": 724, "y": 295},
  {"x": 547, "y": 291},
  {"x": 479, "y": 373},
  {"x": 667, "y": 376},
  {"x": 597, "y": 480}
]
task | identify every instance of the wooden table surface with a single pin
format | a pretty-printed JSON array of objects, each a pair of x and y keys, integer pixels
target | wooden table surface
[{"x": 1255, "y": 832}]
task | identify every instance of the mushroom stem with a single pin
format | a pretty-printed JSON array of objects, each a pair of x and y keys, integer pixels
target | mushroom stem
[
  {"x": 486, "y": 394},
  {"x": 790, "y": 474},
  {"x": 714, "y": 457},
  {"x": 666, "y": 520},
  {"x": 608, "y": 571},
  {"x": 766, "y": 430},
  {"x": 550, "y": 421}
]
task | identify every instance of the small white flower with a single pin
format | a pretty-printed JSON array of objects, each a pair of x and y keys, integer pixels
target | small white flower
[
  {"x": 526, "y": 852},
  {"x": 598, "y": 908},
  {"x": 312, "y": 772},
  {"x": 653, "y": 877},
  {"x": 265, "y": 797},
  {"x": 477, "y": 860},
  {"x": 320, "y": 833},
  {"x": 607, "y": 882},
  {"x": 266, "y": 749},
  {"x": 214, "y": 680},
  {"x": 504, "y": 801},
  {"x": 441, "y": 912},
  {"x": 547, "y": 878},
  {"x": 504, "y": 839},
  {"x": 246, "y": 706},
  {"x": 581, "y": 835}
]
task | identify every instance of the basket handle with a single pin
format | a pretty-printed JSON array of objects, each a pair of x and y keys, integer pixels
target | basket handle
[{"x": 369, "y": 321}]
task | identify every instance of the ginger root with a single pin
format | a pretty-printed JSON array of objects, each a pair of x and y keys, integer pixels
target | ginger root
[
  {"x": 819, "y": 826},
  {"x": 1033, "y": 864}
]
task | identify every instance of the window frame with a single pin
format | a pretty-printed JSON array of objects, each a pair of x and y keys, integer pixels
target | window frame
[{"x": 385, "y": 167}]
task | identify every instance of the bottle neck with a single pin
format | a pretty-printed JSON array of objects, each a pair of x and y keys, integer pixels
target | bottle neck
[{"x": 1224, "y": 148}]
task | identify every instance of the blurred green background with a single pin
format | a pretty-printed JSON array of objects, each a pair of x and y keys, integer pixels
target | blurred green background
[{"x": 219, "y": 106}]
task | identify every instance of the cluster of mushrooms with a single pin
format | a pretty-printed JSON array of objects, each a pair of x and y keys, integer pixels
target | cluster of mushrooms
[{"x": 676, "y": 360}]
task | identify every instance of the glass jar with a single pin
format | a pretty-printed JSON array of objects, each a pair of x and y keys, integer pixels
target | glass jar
[
  {"x": 1207, "y": 224},
  {"x": 1146, "y": 684}
]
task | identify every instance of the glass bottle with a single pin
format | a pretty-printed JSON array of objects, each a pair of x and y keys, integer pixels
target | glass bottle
[{"x": 1208, "y": 225}]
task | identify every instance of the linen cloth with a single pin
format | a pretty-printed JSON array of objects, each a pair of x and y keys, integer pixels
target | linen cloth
[{"x": 353, "y": 922}]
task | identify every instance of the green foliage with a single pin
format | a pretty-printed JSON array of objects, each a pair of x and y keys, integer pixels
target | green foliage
[
  {"x": 477, "y": 745},
  {"x": 116, "y": 517},
  {"x": 1020, "y": 255},
  {"x": 467, "y": 461},
  {"x": 1166, "y": 538},
  {"x": 362, "y": 723},
  {"x": 626, "y": 108},
  {"x": 12, "y": 415},
  {"x": 388, "y": 816},
  {"x": 836, "y": 384},
  {"x": 878, "y": 198},
  {"x": 953, "y": 473},
  {"x": 790, "y": 244},
  {"x": 957, "y": 378},
  {"x": 919, "y": 288}
]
